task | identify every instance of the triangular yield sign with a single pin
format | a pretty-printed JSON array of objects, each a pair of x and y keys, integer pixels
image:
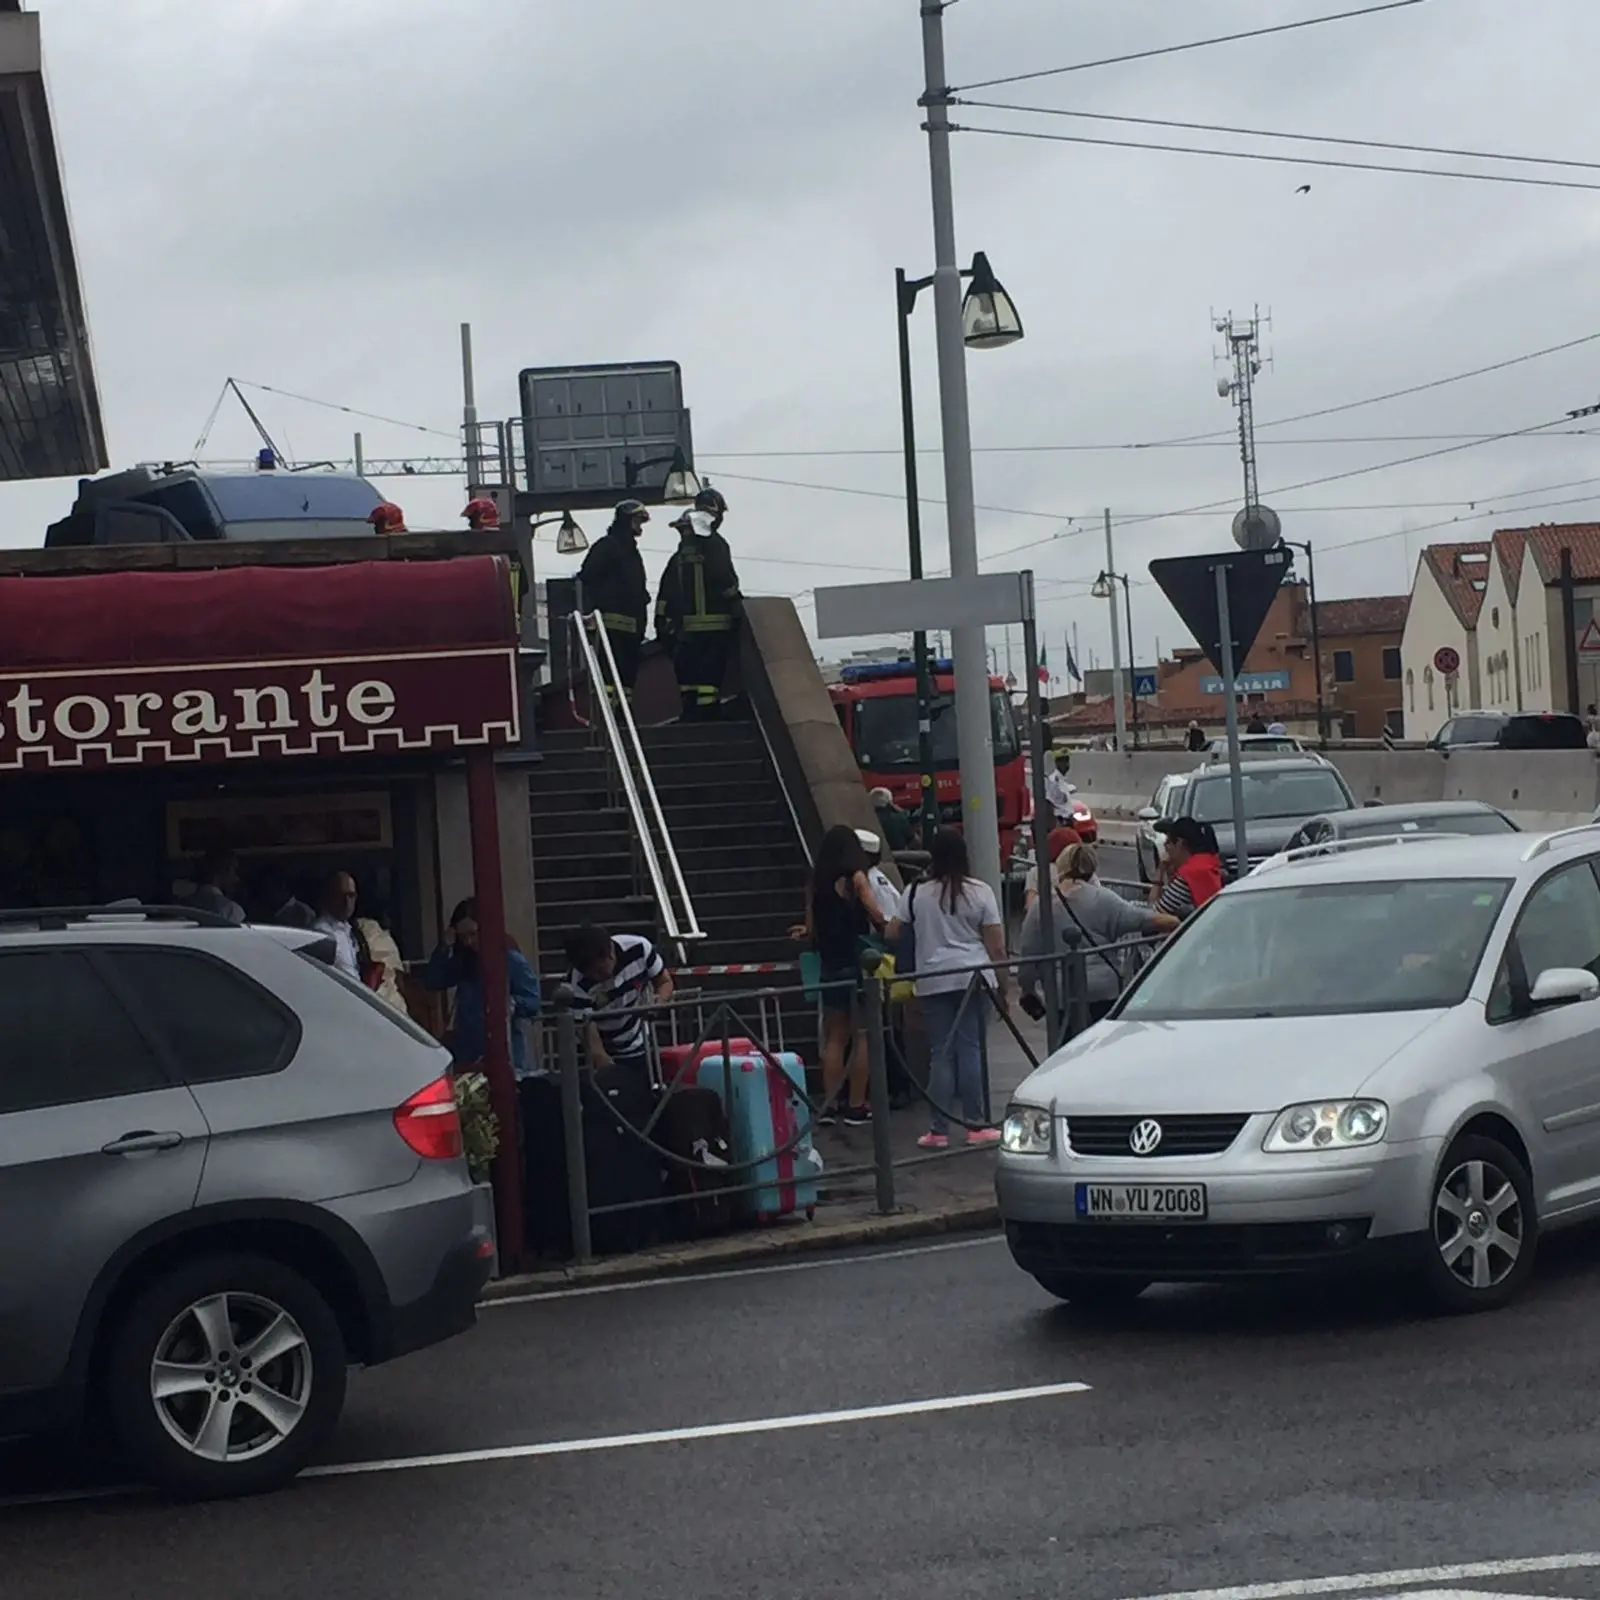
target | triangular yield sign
[
  {"x": 1190, "y": 583},
  {"x": 1589, "y": 639}
]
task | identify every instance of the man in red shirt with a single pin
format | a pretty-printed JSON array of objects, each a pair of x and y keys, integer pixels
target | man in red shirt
[{"x": 1191, "y": 870}]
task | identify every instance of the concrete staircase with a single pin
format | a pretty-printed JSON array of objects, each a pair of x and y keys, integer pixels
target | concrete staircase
[{"x": 736, "y": 838}]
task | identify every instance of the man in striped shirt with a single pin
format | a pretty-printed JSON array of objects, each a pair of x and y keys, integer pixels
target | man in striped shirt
[
  {"x": 616, "y": 975},
  {"x": 1191, "y": 870}
]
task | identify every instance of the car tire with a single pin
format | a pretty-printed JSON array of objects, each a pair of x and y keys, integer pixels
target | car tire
[
  {"x": 1481, "y": 1232},
  {"x": 1092, "y": 1291},
  {"x": 225, "y": 1376}
]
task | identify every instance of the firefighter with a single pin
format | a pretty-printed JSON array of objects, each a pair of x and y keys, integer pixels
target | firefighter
[
  {"x": 611, "y": 581},
  {"x": 387, "y": 519},
  {"x": 699, "y": 607},
  {"x": 482, "y": 514}
]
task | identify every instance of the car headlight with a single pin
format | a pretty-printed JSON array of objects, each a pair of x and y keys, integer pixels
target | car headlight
[
  {"x": 1028, "y": 1131},
  {"x": 1328, "y": 1125}
]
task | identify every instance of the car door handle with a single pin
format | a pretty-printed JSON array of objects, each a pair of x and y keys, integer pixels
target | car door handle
[{"x": 133, "y": 1144}]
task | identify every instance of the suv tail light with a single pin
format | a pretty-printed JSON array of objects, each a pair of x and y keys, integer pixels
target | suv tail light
[{"x": 430, "y": 1123}]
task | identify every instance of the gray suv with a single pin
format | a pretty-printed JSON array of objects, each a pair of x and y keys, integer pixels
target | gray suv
[{"x": 227, "y": 1174}]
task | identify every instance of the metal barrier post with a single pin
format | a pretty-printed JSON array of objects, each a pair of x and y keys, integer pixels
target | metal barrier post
[
  {"x": 1077, "y": 993},
  {"x": 987, "y": 1000},
  {"x": 878, "y": 1090},
  {"x": 572, "y": 1134}
]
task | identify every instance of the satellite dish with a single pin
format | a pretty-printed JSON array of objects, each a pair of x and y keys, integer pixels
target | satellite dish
[
  {"x": 1257, "y": 528},
  {"x": 1224, "y": 387}
]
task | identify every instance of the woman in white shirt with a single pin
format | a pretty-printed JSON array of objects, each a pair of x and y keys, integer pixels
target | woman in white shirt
[{"x": 957, "y": 926}]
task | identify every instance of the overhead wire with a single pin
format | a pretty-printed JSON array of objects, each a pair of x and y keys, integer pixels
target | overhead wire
[
  {"x": 1193, "y": 44},
  {"x": 1280, "y": 160}
]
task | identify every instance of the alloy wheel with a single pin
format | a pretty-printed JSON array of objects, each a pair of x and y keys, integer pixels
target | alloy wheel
[
  {"x": 231, "y": 1377},
  {"x": 1478, "y": 1224}
]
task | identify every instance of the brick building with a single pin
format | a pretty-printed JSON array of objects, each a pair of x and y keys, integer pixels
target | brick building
[{"x": 1361, "y": 672}]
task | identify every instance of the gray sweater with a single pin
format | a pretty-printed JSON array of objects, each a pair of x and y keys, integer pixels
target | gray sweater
[{"x": 1106, "y": 918}]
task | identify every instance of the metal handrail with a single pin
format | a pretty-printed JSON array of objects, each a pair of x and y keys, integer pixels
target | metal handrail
[
  {"x": 677, "y": 933},
  {"x": 1309, "y": 852}
]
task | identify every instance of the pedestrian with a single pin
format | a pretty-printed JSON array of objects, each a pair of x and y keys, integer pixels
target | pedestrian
[
  {"x": 1059, "y": 789},
  {"x": 883, "y": 889},
  {"x": 1195, "y": 741},
  {"x": 1055, "y": 847},
  {"x": 336, "y": 909},
  {"x": 611, "y": 582},
  {"x": 217, "y": 885},
  {"x": 384, "y": 961},
  {"x": 841, "y": 916},
  {"x": 616, "y": 976},
  {"x": 1191, "y": 867},
  {"x": 1277, "y": 729},
  {"x": 959, "y": 934},
  {"x": 1255, "y": 724},
  {"x": 457, "y": 964},
  {"x": 699, "y": 607},
  {"x": 893, "y": 823},
  {"x": 1093, "y": 918}
]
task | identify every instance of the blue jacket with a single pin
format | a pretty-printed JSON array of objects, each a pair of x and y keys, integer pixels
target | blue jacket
[{"x": 445, "y": 971}]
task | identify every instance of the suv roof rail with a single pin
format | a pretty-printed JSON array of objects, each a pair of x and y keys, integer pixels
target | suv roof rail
[
  {"x": 1541, "y": 846},
  {"x": 1308, "y": 852},
  {"x": 53, "y": 919}
]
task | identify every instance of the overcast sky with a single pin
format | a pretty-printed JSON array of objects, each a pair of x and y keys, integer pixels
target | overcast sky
[{"x": 313, "y": 194}]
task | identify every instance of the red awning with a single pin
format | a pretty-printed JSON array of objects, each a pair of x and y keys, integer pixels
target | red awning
[{"x": 123, "y": 619}]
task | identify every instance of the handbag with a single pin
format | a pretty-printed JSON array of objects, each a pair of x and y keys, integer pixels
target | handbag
[
  {"x": 811, "y": 975},
  {"x": 1099, "y": 949}
]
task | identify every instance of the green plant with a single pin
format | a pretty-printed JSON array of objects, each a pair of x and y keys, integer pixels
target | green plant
[{"x": 480, "y": 1127}]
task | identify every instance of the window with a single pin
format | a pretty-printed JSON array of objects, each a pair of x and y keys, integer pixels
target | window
[
  {"x": 215, "y": 1021},
  {"x": 1411, "y": 690},
  {"x": 1559, "y": 927},
  {"x": 64, "y": 1038},
  {"x": 1391, "y": 663},
  {"x": 1344, "y": 666},
  {"x": 1409, "y": 945},
  {"x": 1394, "y": 720},
  {"x": 1427, "y": 678},
  {"x": 1347, "y": 724},
  {"x": 886, "y": 731}
]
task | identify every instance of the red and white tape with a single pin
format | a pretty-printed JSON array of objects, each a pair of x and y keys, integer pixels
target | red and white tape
[{"x": 738, "y": 969}]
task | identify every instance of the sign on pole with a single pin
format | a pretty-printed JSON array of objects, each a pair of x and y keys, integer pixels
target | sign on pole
[
  {"x": 1253, "y": 578},
  {"x": 914, "y": 605},
  {"x": 1447, "y": 662},
  {"x": 1589, "y": 642}
]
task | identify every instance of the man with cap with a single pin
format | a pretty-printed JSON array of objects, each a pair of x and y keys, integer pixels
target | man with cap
[
  {"x": 699, "y": 607},
  {"x": 612, "y": 582}
]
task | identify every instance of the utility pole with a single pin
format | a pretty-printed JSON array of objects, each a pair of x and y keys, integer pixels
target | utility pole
[
  {"x": 975, "y": 739},
  {"x": 1243, "y": 352},
  {"x": 469, "y": 414},
  {"x": 1119, "y": 709}
]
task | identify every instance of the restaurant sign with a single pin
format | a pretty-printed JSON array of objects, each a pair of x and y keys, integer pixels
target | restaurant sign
[{"x": 243, "y": 711}]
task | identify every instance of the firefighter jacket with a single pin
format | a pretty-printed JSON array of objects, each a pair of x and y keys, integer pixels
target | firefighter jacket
[
  {"x": 699, "y": 589},
  {"x": 611, "y": 581}
]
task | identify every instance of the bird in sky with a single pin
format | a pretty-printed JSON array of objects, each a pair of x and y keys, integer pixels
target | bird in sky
[{"x": 1305, "y": 188}]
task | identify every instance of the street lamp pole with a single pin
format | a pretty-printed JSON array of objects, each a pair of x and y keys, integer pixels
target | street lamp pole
[
  {"x": 906, "y": 291},
  {"x": 1119, "y": 710},
  {"x": 1133, "y": 656},
  {"x": 974, "y": 734}
]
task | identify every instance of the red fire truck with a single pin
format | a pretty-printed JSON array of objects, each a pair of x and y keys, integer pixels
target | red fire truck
[{"x": 877, "y": 707}]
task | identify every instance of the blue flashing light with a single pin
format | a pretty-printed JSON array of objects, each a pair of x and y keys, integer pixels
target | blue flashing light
[{"x": 877, "y": 671}]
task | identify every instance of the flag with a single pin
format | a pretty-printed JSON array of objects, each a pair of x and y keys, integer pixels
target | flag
[
  {"x": 1044, "y": 665},
  {"x": 1072, "y": 667}
]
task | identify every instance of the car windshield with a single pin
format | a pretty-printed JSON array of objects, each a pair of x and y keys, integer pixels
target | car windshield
[
  {"x": 1444, "y": 822},
  {"x": 886, "y": 731},
  {"x": 1302, "y": 792},
  {"x": 292, "y": 497},
  {"x": 1324, "y": 949}
]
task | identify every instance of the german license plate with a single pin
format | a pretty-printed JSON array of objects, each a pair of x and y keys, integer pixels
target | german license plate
[{"x": 1142, "y": 1202}]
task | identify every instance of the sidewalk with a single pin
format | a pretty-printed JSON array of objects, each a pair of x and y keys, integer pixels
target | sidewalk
[{"x": 950, "y": 1192}]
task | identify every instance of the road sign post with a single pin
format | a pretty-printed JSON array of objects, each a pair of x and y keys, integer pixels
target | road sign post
[{"x": 1241, "y": 857}]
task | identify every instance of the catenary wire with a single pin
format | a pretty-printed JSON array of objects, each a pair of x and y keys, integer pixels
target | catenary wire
[
  {"x": 1193, "y": 44},
  {"x": 1280, "y": 160},
  {"x": 1297, "y": 138}
]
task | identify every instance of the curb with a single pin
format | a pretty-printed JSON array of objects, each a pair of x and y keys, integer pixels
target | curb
[{"x": 793, "y": 1239}]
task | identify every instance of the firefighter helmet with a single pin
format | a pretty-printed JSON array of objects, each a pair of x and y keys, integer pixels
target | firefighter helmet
[
  {"x": 482, "y": 513},
  {"x": 711, "y": 500},
  {"x": 387, "y": 518}
]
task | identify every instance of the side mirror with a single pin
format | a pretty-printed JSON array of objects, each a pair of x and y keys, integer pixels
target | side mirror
[
  {"x": 1562, "y": 986},
  {"x": 1148, "y": 813}
]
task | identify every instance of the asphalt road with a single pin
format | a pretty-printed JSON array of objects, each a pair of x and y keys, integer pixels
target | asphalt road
[{"x": 1225, "y": 1439}]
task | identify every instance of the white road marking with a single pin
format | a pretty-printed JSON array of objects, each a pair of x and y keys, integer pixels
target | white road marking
[
  {"x": 1402, "y": 1578},
  {"x": 742, "y": 1272},
  {"x": 714, "y": 1430}
]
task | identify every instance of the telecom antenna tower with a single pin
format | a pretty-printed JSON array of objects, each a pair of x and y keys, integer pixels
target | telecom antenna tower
[{"x": 1256, "y": 527}]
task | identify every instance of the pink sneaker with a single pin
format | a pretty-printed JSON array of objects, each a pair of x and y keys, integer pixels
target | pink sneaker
[
  {"x": 984, "y": 1136},
  {"x": 934, "y": 1141}
]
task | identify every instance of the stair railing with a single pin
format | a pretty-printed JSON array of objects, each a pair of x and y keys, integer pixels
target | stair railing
[{"x": 678, "y": 920}]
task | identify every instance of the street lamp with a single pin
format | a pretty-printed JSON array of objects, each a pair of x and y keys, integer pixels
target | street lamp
[
  {"x": 1316, "y": 632},
  {"x": 681, "y": 484},
  {"x": 1104, "y": 588},
  {"x": 570, "y": 540},
  {"x": 989, "y": 320}
]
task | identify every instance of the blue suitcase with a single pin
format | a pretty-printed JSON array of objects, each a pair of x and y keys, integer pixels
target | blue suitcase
[{"x": 765, "y": 1099}]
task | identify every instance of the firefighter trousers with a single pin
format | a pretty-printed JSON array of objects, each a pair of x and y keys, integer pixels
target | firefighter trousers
[
  {"x": 701, "y": 663},
  {"x": 626, "y": 644}
]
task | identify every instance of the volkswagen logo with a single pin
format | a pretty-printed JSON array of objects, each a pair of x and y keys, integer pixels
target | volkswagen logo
[{"x": 1145, "y": 1138}]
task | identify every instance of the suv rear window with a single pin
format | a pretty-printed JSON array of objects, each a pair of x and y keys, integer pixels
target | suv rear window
[
  {"x": 217, "y": 1023},
  {"x": 64, "y": 1037},
  {"x": 1551, "y": 730},
  {"x": 308, "y": 953}
]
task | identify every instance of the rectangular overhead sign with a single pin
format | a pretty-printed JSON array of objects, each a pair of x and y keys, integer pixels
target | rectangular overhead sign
[
  {"x": 855, "y": 610},
  {"x": 1249, "y": 683}
]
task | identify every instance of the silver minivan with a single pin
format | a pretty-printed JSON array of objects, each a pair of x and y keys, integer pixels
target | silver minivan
[
  {"x": 227, "y": 1174},
  {"x": 1380, "y": 1052}
]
